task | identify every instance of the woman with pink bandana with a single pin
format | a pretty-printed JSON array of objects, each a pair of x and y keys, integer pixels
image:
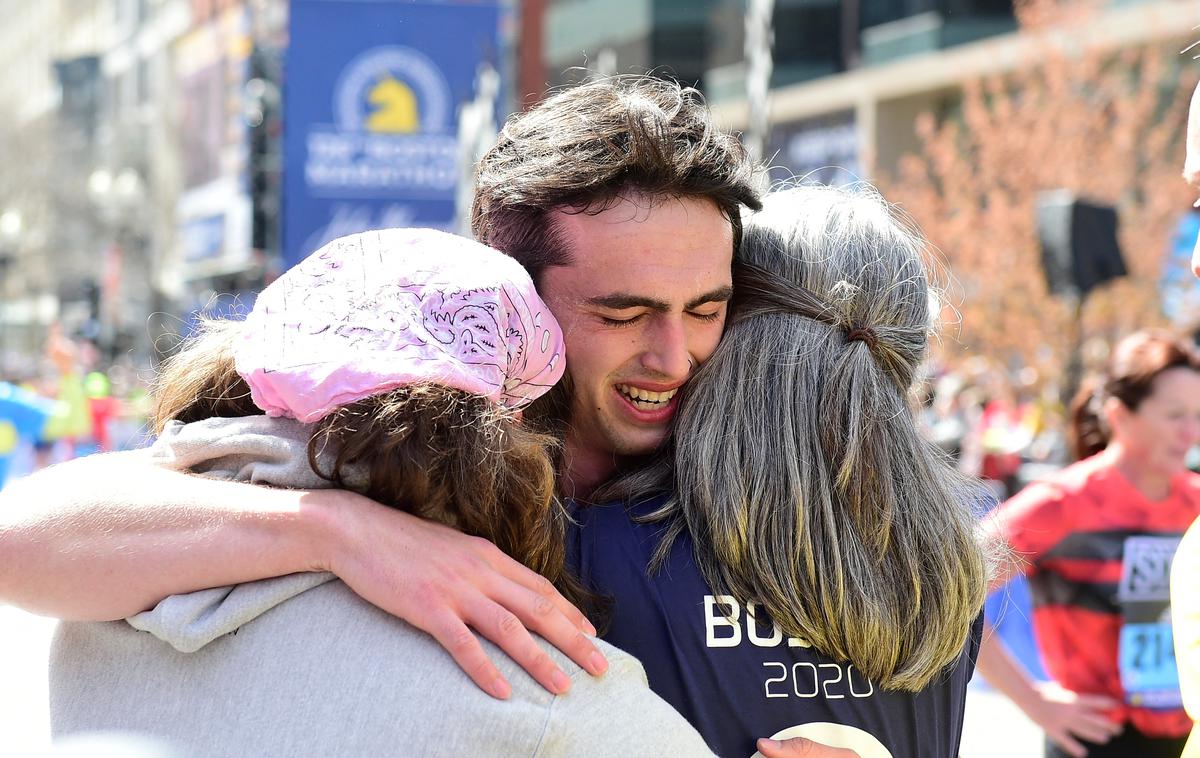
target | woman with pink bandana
[{"x": 396, "y": 364}]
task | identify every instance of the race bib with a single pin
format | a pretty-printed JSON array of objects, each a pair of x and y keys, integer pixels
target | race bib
[{"x": 1146, "y": 647}]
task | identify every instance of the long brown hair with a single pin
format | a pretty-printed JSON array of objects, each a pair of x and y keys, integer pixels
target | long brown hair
[
  {"x": 439, "y": 453},
  {"x": 1136, "y": 362}
]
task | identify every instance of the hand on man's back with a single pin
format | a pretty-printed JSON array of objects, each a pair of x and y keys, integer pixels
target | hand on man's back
[{"x": 447, "y": 584}]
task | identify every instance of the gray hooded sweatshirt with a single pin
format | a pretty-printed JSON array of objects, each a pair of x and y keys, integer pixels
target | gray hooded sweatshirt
[{"x": 300, "y": 665}]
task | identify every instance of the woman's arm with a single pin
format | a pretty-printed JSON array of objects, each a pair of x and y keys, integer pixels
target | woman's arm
[
  {"x": 1062, "y": 714},
  {"x": 108, "y": 536}
]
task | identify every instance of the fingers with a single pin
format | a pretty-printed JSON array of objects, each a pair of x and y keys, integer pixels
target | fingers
[
  {"x": 538, "y": 584},
  {"x": 800, "y": 747},
  {"x": 504, "y": 628},
  {"x": 1092, "y": 725},
  {"x": 541, "y": 615},
  {"x": 1092, "y": 732},
  {"x": 1070, "y": 745},
  {"x": 546, "y": 588},
  {"x": 1089, "y": 727},
  {"x": 449, "y": 584},
  {"x": 1069, "y": 716},
  {"x": 452, "y": 634}
]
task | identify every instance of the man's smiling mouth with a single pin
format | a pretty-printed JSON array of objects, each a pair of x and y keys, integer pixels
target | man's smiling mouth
[{"x": 645, "y": 399}]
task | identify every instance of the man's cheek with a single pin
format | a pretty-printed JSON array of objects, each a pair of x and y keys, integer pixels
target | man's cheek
[{"x": 706, "y": 348}]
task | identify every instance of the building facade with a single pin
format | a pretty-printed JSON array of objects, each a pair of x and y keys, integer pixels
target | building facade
[
  {"x": 130, "y": 167},
  {"x": 849, "y": 77}
]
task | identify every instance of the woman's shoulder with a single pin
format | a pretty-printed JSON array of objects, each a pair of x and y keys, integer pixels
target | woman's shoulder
[
  {"x": 1068, "y": 482},
  {"x": 1038, "y": 515}
]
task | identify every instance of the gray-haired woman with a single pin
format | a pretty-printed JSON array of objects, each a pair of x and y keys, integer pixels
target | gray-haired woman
[{"x": 801, "y": 561}]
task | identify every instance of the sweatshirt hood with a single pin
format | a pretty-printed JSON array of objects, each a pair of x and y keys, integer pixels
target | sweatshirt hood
[
  {"x": 255, "y": 449},
  {"x": 190, "y": 621}
]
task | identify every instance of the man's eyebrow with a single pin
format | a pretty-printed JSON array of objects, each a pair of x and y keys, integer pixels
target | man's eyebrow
[
  {"x": 719, "y": 295},
  {"x": 620, "y": 301}
]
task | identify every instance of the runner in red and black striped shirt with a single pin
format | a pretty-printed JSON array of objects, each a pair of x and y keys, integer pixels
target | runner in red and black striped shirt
[{"x": 1096, "y": 541}]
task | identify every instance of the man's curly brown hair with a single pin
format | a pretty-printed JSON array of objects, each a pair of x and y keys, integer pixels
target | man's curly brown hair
[{"x": 587, "y": 146}]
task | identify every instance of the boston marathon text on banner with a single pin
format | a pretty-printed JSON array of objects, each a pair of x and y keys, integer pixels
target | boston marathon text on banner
[{"x": 371, "y": 102}]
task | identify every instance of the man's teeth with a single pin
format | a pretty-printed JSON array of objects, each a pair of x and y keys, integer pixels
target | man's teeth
[{"x": 645, "y": 398}]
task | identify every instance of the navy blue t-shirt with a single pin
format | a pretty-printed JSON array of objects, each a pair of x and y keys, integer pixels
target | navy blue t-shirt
[{"x": 736, "y": 679}]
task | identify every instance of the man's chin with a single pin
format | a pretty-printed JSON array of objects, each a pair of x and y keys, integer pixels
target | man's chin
[{"x": 640, "y": 444}]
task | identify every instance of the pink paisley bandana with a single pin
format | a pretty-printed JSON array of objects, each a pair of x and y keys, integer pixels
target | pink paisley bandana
[{"x": 374, "y": 311}]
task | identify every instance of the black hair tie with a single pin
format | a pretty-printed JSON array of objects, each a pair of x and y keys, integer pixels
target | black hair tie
[{"x": 863, "y": 334}]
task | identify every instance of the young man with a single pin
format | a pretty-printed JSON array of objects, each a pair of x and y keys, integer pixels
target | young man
[{"x": 622, "y": 200}]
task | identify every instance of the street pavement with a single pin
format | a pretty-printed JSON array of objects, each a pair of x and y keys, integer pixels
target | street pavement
[{"x": 995, "y": 728}]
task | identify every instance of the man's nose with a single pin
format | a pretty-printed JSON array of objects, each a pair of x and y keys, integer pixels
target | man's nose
[{"x": 667, "y": 354}]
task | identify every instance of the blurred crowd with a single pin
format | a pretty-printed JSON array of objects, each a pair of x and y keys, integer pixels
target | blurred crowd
[
  {"x": 1006, "y": 425},
  {"x": 69, "y": 403}
]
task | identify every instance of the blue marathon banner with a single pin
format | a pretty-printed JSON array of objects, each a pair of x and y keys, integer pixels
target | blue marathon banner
[{"x": 372, "y": 95}]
